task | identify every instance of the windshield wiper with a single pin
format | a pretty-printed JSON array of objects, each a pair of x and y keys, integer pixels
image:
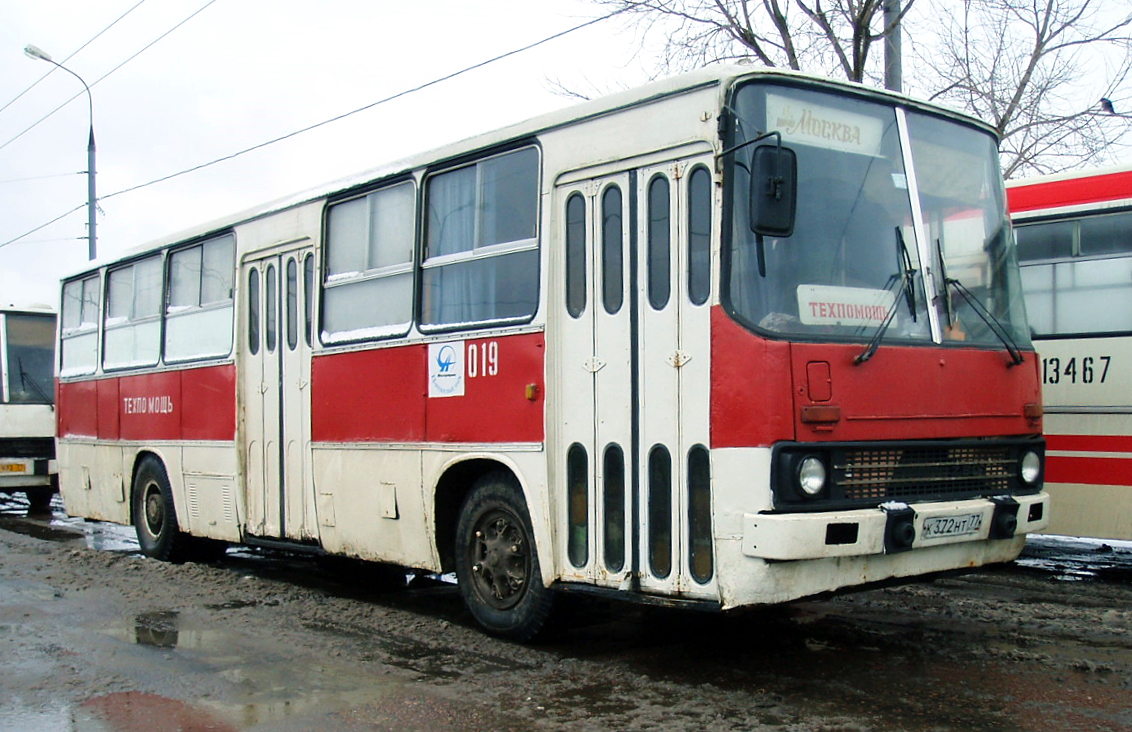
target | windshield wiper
[
  {"x": 906, "y": 273},
  {"x": 27, "y": 380},
  {"x": 987, "y": 317}
]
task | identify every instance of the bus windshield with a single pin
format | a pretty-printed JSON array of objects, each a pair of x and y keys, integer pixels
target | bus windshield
[
  {"x": 29, "y": 342},
  {"x": 900, "y": 220}
]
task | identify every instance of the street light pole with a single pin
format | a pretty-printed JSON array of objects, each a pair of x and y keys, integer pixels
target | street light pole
[{"x": 92, "y": 198}]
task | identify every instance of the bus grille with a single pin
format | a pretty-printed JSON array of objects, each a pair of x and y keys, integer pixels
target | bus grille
[{"x": 916, "y": 473}]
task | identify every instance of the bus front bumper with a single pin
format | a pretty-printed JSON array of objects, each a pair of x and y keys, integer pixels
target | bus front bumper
[{"x": 892, "y": 528}]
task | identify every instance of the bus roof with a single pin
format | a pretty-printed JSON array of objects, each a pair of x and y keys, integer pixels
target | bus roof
[
  {"x": 1064, "y": 192},
  {"x": 721, "y": 76}
]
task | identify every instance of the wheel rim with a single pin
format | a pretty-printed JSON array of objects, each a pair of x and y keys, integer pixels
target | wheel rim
[
  {"x": 501, "y": 563},
  {"x": 154, "y": 510}
]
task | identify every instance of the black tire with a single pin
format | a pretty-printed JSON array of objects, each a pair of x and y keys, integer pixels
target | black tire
[
  {"x": 155, "y": 517},
  {"x": 497, "y": 563}
]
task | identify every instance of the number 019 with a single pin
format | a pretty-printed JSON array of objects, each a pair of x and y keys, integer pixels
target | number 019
[{"x": 483, "y": 359}]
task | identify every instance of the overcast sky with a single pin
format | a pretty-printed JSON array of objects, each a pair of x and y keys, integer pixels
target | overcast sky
[
  {"x": 239, "y": 73},
  {"x": 222, "y": 76}
]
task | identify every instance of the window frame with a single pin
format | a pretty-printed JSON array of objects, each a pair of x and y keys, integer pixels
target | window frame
[
  {"x": 478, "y": 252},
  {"x": 132, "y": 321},
  {"x": 201, "y": 307},
  {"x": 331, "y": 281},
  {"x": 1056, "y": 264}
]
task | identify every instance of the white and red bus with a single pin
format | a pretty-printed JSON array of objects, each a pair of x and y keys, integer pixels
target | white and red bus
[
  {"x": 735, "y": 337},
  {"x": 27, "y": 404},
  {"x": 1074, "y": 233}
]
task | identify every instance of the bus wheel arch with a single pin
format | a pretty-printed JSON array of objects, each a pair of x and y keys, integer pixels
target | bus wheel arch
[
  {"x": 153, "y": 511},
  {"x": 496, "y": 560}
]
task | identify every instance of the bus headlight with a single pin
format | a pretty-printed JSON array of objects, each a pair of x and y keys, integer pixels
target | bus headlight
[
  {"x": 811, "y": 476},
  {"x": 1030, "y": 467}
]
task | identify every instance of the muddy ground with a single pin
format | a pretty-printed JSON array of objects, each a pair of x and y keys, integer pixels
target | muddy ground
[{"x": 94, "y": 637}]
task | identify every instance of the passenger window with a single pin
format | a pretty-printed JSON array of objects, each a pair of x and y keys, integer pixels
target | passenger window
[
  {"x": 1106, "y": 234},
  {"x": 1050, "y": 240},
  {"x": 368, "y": 290},
  {"x": 79, "y": 329},
  {"x": 481, "y": 258},
  {"x": 659, "y": 243},
  {"x": 133, "y": 315},
  {"x": 199, "y": 317}
]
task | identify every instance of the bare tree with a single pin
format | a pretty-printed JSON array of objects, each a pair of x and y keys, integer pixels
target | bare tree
[
  {"x": 1020, "y": 65},
  {"x": 1035, "y": 70},
  {"x": 833, "y": 37}
]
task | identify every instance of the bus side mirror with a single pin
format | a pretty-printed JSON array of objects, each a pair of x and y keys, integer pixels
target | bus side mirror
[{"x": 774, "y": 190}]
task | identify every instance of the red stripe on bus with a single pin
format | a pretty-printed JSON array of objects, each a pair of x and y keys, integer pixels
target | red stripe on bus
[
  {"x": 1090, "y": 443},
  {"x": 381, "y": 394},
  {"x": 192, "y": 404},
  {"x": 1089, "y": 471},
  {"x": 1073, "y": 192}
]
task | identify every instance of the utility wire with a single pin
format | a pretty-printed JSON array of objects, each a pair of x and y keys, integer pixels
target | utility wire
[
  {"x": 42, "y": 177},
  {"x": 108, "y": 73},
  {"x": 398, "y": 95},
  {"x": 73, "y": 54},
  {"x": 289, "y": 135}
]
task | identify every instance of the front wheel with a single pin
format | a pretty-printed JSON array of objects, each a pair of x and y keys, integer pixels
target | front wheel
[
  {"x": 497, "y": 563},
  {"x": 155, "y": 518}
]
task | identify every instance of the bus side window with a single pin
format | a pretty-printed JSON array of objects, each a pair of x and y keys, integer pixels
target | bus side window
[
  {"x": 199, "y": 318},
  {"x": 481, "y": 242},
  {"x": 79, "y": 327},
  {"x": 133, "y": 315},
  {"x": 368, "y": 289}
]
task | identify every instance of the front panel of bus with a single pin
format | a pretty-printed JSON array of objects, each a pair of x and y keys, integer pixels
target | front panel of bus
[{"x": 871, "y": 356}]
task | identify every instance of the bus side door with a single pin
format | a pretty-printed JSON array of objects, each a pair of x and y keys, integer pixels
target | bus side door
[{"x": 276, "y": 386}]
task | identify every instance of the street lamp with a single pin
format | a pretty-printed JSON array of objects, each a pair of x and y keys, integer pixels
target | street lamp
[{"x": 92, "y": 199}]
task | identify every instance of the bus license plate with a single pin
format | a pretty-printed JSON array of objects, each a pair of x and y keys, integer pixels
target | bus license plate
[
  {"x": 13, "y": 468},
  {"x": 941, "y": 526}
]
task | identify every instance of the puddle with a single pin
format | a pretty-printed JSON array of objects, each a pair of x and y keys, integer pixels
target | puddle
[
  {"x": 248, "y": 681},
  {"x": 1078, "y": 559}
]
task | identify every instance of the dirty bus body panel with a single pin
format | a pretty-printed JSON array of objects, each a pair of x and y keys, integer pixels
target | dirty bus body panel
[
  {"x": 577, "y": 353},
  {"x": 1074, "y": 233}
]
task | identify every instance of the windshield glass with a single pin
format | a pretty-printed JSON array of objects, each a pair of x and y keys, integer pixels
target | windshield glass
[
  {"x": 30, "y": 358},
  {"x": 962, "y": 202},
  {"x": 854, "y": 255}
]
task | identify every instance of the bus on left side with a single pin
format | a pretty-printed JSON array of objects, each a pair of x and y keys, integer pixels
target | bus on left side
[{"x": 27, "y": 405}]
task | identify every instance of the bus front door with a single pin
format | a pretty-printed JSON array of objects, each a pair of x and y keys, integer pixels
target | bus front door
[
  {"x": 277, "y": 338},
  {"x": 633, "y": 373}
]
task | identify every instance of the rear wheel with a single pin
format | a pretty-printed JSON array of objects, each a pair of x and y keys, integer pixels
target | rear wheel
[
  {"x": 497, "y": 563},
  {"x": 155, "y": 518}
]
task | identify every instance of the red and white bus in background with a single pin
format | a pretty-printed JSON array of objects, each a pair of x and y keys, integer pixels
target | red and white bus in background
[
  {"x": 732, "y": 338},
  {"x": 1074, "y": 233},
  {"x": 27, "y": 399}
]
